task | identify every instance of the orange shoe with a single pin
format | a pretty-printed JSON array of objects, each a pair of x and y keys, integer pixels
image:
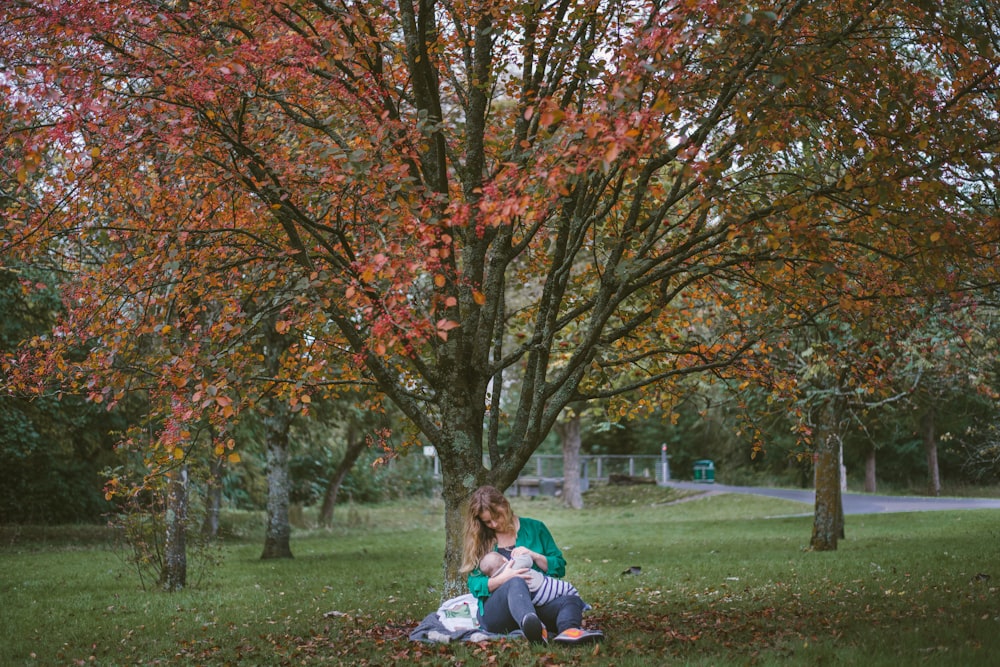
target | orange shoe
[{"x": 579, "y": 636}]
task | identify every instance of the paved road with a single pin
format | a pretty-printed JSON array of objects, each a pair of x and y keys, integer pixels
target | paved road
[{"x": 855, "y": 503}]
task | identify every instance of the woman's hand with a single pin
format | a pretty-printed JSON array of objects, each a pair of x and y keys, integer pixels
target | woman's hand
[{"x": 540, "y": 561}]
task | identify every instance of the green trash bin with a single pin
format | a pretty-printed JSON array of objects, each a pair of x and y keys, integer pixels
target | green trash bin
[{"x": 704, "y": 471}]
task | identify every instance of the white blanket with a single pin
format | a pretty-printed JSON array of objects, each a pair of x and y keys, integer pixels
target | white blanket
[{"x": 456, "y": 619}]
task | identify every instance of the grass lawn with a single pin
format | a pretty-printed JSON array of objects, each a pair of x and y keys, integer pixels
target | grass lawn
[{"x": 725, "y": 580}]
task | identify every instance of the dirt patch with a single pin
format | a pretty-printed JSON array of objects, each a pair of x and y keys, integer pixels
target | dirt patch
[
  {"x": 608, "y": 495},
  {"x": 692, "y": 495}
]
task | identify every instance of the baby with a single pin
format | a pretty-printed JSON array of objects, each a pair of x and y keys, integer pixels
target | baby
[{"x": 544, "y": 589}]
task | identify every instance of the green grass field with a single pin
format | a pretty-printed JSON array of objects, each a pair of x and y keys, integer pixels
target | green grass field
[{"x": 725, "y": 580}]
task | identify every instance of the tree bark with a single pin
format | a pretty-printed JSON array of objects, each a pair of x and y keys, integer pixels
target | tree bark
[
  {"x": 569, "y": 433},
  {"x": 460, "y": 450},
  {"x": 870, "y": 479},
  {"x": 277, "y": 418},
  {"x": 277, "y": 539},
  {"x": 174, "y": 575},
  {"x": 456, "y": 496},
  {"x": 930, "y": 449},
  {"x": 828, "y": 521},
  {"x": 355, "y": 445},
  {"x": 826, "y": 524}
]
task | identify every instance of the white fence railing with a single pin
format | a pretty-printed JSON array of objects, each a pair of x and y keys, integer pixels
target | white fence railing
[
  {"x": 543, "y": 474},
  {"x": 599, "y": 468}
]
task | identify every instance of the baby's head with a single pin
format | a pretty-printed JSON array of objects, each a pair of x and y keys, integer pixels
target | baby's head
[{"x": 492, "y": 563}]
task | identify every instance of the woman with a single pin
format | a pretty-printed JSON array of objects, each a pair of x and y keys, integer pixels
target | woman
[{"x": 504, "y": 599}]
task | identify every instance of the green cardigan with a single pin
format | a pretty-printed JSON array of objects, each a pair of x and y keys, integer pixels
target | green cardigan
[{"x": 531, "y": 534}]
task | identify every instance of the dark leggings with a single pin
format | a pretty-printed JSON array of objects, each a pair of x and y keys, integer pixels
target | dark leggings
[{"x": 508, "y": 605}]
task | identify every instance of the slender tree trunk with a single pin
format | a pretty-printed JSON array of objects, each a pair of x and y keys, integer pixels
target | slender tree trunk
[
  {"x": 277, "y": 417},
  {"x": 174, "y": 575},
  {"x": 930, "y": 449},
  {"x": 355, "y": 445},
  {"x": 278, "y": 533},
  {"x": 569, "y": 433},
  {"x": 213, "y": 500},
  {"x": 870, "y": 479},
  {"x": 828, "y": 521}
]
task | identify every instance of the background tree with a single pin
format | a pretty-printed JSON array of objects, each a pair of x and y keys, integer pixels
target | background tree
[
  {"x": 950, "y": 350},
  {"x": 54, "y": 444},
  {"x": 568, "y": 430},
  {"x": 363, "y": 425}
]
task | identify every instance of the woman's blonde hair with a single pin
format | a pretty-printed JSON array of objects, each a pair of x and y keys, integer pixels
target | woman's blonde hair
[{"x": 478, "y": 539}]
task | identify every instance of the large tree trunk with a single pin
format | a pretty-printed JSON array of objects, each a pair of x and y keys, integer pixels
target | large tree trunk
[
  {"x": 828, "y": 521},
  {"x": 569, "y": 433},
  {"x": 930, "y": 449},
  {"x": 355, "y": 445},
  {"x": 455, "y": 502},
  {"x": 460, "y": 450},
  {"x": 174, "y": 575},
  {"x": 456, "y": 487},
  {"x": 870, "y": 479}
]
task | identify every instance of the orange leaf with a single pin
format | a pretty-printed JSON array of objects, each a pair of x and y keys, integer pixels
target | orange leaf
[
  {"x": 443, "y": 327},
  {"x": 612, "y": 152},
  {"x": 550, "y": 116}
]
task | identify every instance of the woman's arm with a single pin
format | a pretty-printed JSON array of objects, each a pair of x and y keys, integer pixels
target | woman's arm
[
  {"x": 541, "y": 561},
  {"x": 536, "y": 540},
  {"x": 481, "y": 585}
]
